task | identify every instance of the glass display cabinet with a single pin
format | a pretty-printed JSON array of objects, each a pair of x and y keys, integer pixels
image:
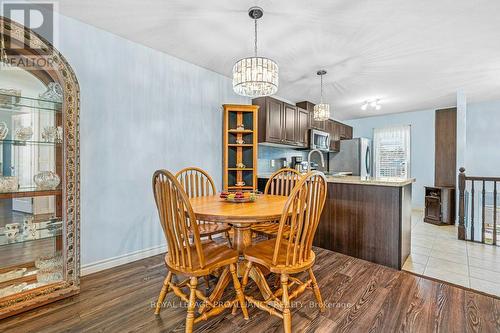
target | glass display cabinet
[{"x": 39, "y": 178}]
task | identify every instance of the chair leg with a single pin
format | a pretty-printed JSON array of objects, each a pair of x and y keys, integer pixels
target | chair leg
[
  {"x": 163, "y": 293},
  {"x": 229, "y": 239},
  {"x": 207, "y": 284},
  {"x": 191, "y": 305},
  {"x": 287, "y": 318},
  {"x": 244, "y": 279},
  {"x": 239, "y": 292},
  {"x": 316, "y": 290}
]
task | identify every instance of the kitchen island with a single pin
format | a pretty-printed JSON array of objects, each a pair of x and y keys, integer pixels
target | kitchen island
[{"x": 367, "y": 219}]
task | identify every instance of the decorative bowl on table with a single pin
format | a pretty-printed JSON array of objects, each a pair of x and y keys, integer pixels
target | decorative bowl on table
[
  {"x": 238, "y": 197},
  {"x": 46, "y": 180}
]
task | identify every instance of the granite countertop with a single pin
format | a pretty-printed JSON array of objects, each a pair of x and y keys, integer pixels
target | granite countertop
[
  {"x": 356, "y": 180},
  {"x": 371, "y": 181}
]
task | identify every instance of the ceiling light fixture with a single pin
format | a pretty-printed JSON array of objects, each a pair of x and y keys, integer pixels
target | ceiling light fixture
[
  {"x": 255, "y": 76},
  {"x": 375, "y": 104},
  {"x": 322, "y": 110}
]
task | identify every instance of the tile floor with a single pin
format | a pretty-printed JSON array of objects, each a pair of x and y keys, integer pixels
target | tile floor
[{"x": 436, "y": 252}]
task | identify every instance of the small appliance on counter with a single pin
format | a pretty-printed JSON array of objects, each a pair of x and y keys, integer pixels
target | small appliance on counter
[{"x": 354, "y": 156}]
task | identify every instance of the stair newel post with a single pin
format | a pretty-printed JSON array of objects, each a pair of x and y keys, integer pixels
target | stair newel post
[{"x": 461, "y": 204}]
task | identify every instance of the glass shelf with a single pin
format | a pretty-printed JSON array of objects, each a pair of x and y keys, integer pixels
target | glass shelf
[
  {"x": 29, "y": 142},
  {"x": 44, "y": 230},
  {"x": 30, "y": 192},
  {"x": 12, "y": 103}
]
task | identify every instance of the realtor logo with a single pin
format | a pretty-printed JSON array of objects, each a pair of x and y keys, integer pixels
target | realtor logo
[
  {"x": 22, "y": 50},
  {"x": 37, "y": 16}
]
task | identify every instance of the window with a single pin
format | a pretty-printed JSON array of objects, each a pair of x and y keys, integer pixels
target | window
[{"x": 392, "y": 152}]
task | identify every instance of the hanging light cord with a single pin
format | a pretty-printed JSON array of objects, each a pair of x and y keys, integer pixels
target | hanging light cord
[
  {"x": 321, "y": 98},
  {"x": 255, "y": 40}
]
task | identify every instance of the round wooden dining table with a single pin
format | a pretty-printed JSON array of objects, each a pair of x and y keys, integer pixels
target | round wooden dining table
[{"x": 241, "y": 216}]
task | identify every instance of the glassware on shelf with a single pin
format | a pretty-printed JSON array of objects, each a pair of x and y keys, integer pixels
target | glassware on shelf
[
  {"x": 13, "y": 289},
  {"x": 49, "y": 262},
  {"x": 8, "y": 184},
  {"x": 12, "y": 230},
  {"x": 49, "y": 275},
  {"x": 9, "y": 98},
  {"x": 52, "y": 134},
  {"x": 24, "y": 133},
  {"x": 4, "y": 130},
  {"x": 47, "y": 180},
  {"x": 13, "y": 274},
  {"x": 53, "y": 93}
]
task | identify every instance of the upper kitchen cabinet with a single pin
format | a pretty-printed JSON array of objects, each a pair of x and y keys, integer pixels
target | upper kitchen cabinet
[
  {"x": 281, "y": 123},
  {"x": 321, "y": 125},
  {"x": 302, "y": 128}
]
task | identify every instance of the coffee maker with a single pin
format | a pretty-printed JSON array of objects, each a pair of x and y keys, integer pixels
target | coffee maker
[{"x": 299, "y": 164}]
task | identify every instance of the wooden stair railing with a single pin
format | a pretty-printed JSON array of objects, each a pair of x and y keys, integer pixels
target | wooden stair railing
[{"x": 468, "y": 186}]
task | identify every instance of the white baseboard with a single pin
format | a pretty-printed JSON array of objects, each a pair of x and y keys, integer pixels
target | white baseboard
[{"x": 122, "y": 259}]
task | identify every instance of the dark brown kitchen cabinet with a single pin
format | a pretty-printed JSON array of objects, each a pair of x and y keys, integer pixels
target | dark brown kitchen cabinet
[
  {"x": 277, "y": 122},
  {"x": 321, "y": 125},
  {"x": 289, "y": 121},
  {"x": 333, "y": 128},
  {"x": 302, "y": 128}
]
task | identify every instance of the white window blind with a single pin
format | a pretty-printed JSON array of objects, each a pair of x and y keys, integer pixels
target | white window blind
[{"x": 392, "y": 152}]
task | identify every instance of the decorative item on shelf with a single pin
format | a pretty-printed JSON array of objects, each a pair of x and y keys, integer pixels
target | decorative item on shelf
[
  {"x": 24, "y": 133},
  {"x": 49, "y": 262},
  {"x": 12, "y": 230},
  {"x": 8, "y": 184},
  {"x": 240, "y": 127},
  {"x": 54, "y": 93},
  {"x": 240, "y": 166},
  {"x": 13, "y": 274},
  {"x": 321, "y": 111},
  {"x": 240, "y": 141},
  {"x": 4, "y": 130},
  {"x": 242, "y": 183},
  {"x": 49, "y": 275},
  {"x": 9, "y": 98},
  {"x": 29, "y": 227},
  {"x": 47, "y": 180},
  {"x": 52, "y": 134},
  {"x": 255, "y": 76},
  {"x": 13, "y": 289}
]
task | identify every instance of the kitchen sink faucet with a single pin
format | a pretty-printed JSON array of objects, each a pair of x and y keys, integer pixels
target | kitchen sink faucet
[{"x": 309, "y": 159}]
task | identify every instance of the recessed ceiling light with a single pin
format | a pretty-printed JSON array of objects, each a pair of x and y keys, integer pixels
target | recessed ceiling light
[{"x": 375, "y": 104}]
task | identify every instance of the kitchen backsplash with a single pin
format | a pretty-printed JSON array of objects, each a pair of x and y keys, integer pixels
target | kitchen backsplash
[{"x": 267, "y": 154}]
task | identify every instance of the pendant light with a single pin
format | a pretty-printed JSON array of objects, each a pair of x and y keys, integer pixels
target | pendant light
[
  {"x": 322, "y": 110},
  {"x": 255, "y": 76}
]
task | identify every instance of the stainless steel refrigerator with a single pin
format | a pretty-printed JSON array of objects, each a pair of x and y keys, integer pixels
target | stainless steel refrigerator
[{"x": 354, "y": 156}]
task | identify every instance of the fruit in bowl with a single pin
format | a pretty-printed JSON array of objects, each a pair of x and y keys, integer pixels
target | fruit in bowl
[{"x": 223, "y": 195}]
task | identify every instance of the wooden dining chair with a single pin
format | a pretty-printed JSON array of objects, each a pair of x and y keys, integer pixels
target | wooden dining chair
[
  {"x": 188, "y": 256},
  {"x": 286, "y": 256},
  {"x": 282, "y": 183},
  {"x": 197, "y": 183}
]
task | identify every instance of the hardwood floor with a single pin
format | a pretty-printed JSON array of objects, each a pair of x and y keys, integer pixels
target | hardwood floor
[{"x": 360, "y": 297}]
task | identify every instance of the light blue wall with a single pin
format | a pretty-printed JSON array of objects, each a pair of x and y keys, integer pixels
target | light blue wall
[
  {"x": 141, "y": 110},
  {"x": 422, "y": 144},
  {"x": 483, "y": 139}
]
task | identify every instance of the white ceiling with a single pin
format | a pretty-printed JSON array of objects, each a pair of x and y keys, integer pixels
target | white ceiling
[{"x": 412, "y": 55}]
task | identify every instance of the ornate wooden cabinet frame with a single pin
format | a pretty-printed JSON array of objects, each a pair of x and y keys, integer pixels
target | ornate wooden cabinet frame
[{"x": 60, "y": 72}]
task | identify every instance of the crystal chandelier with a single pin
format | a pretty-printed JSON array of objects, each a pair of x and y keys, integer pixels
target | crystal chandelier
[
  {"x": 322, "y": 110},
  {"x": 255, "y": 76}
]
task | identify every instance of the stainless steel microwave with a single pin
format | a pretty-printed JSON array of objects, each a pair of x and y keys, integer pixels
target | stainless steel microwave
[{"x": 319, "y": 140}]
